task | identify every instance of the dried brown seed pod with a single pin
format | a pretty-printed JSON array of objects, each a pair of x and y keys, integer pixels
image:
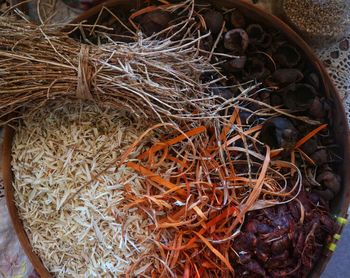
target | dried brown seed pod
[
  {"x": 255, "y": 69},
  {"x": 330, "y": 180},
  {"x": 237, "y": 19},
  {"x": 236, "y": 64},
  {"x": 317, "y": 109},
  {"x": 236, "y": 40},
  {"x": 314, "y": 80},
  {"x": 255, "y": 33},
  {"x": 154, "y": 22},
  {"x": 214, "y": 21},
  {"x": 266, "y": 42},
  {"x": 299, "y": 97},
  {"x": 320, "y": 156},
  {"x": 279, "y": 133},
  {"x": 287, "y": 56},
  {"x": 310, "y": 146},
  {"x": 287, "y": 76}
]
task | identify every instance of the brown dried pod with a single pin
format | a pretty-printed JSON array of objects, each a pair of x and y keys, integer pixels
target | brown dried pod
[
  {"x": 287, "y": 76},
  {"x": 299, "y": 97},
  {"x": 330, "y": 180},
  {"x": 320, "y": 156},
  {"x": 237, "y": 19},
  {"x": 317, "y": 109},
  {"x": 154, "y": 22},
  {"x": 287, "y": 56},
  {"x": 235, "y": 65},
  {"x": 279, "y": 133},
  {"x": 255, "y": 33},
  {"x": 266, "y": 42},
  {"x": 214, "y": 20},
  {"x": 255, "y": 69},
  {"x": 207, "y": 44},
  {"x": 314, "y": 80},
  {"x": 310, "y": 146},
  {"x": 236, "y": 40}
]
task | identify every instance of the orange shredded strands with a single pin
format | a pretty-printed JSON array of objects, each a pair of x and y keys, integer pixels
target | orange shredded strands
[
  {"x": 152, "y": 176},
  {"x": 310, "y": 135},
  {"x": 197, "y": 198},
  {"x": 173, "y": 141},
  {"x": 216, "y": 252}
]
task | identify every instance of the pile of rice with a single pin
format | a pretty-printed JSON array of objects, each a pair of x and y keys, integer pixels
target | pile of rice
[{"x": 69, "y": 194}]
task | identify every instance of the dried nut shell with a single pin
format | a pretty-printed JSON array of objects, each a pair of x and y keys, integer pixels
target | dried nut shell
[
  {"x": 255, "y": 33},
  {"x": 154, "y": 22},
  {"x": 235, "y": 65},
  {"x": 330, "y": 180},
  {"x": 214, "y": 21},
  {"x": 299, "y": 97},
  {"x": 236, "y": 40},
  {"x": 279, "y": 133},
  {"x": 237, "y": 19},
  {"x": 287, "y": 56},
  {"x": 255, "y": 69},
  {"x": 317, "y": 109},
  {"x": 320, "y": 157},
  {"x": 314, "y": 80},
  {"x": 287, "y": 76}
]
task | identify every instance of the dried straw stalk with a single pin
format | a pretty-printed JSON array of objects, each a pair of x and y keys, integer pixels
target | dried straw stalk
[{"x": 149, "y": 77}]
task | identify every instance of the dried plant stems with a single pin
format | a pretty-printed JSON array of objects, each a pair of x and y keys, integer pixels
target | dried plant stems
[{"x": 148, "y": 77}]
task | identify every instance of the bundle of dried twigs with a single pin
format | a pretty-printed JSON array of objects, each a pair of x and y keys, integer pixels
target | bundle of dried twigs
[{"x": 149, "y": 76}]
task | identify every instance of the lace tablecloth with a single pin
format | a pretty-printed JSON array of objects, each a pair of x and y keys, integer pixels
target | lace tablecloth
[{"x": 13, "y": 261}]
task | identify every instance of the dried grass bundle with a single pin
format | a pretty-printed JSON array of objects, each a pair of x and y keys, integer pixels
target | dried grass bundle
[{"x": 150, "y": 77}]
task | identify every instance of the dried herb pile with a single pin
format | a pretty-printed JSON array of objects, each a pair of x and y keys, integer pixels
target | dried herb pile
[
  {"x": 57, "y": 150},
  {"x": 240, "y": 183}
]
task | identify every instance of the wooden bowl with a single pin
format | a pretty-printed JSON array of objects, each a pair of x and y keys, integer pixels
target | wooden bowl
[{"x": 339, "y": 205}]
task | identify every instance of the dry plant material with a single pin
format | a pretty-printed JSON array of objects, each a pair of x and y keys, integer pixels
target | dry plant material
[
  {"x": 150, "y": 77},
  {"x": 55, "y": 151},
  {"x": 201, "y": 182},
  {"x": 226, "y": 152}
]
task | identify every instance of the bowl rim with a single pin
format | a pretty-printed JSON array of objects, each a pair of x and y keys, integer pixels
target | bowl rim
[{"x": 341, "y": 123}]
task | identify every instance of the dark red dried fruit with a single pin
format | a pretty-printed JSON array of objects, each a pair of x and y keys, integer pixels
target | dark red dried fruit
[
  {"x": 326, "y": 194},
  {"x": 280, "y": 245},
  {"x": 236, "y": 40},
  {"x": 214, "y": 21},
  {"x": 279, "y": 133}
]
